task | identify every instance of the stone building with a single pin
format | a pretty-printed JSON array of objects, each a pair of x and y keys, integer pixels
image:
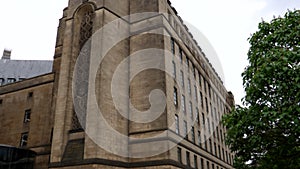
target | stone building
[{"x": 54, "y": 117}]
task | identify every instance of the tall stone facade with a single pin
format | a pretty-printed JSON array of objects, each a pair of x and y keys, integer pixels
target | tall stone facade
[{"x": 64, "y": 129}]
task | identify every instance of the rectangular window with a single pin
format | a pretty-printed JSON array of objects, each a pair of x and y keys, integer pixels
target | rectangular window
[
  {"x": 189, "y": 86},
  {"x": 2, "y": 81},
  {"x": 200, "y": 79},
  {"x": 217, "y": 133},
  {"x": 11, "y": 80},
  {"x": 195, "y": 91},
  {"x": 172, "y": 46},
  {"x": 223, "y": 154},
  {"x": 188, "y": 161},
  {"x": 179, "y": 155},
  {"x": 27, "y": 116},
  {"x": 208, "y": 124},
  {"x": 197, "y": 116},
  {"x": 203, "y": 119},
  {"x": 215, "y": 149},
  {"x": 195, "y": 161},
  {"x": 180, "y": 55},
  {"x": 210, "y": 146},
  {"x": 201, "y": 99},
  {"x": 187, "y": 62},
  {"x": 194, "y": 71},
  {"x": 1, "y": 101},
  {"x": 185, "y": 129},
  {"x": 219, "y": 148},
  {"x": 183, "y": 104},
  {"x": 205, "y": 142},
  {"x": 193, "y": 134},
  {"x": 175, "y": 96},
  {"x": 174, "y": 70},
  {"x": 204, "y": 84},
  {"x": 199, "y": 138},
  {"x": 176, "y": 124},
  {"x": 206, "y": 102},
  {"x": 30, "y": 94},
  {"x": 209, "y": 90},
  {"x": 191, "y": 110},
  {"x": 24, "y": 139},
  {"x": 202, "y": 163},
  {"x": 212, "y": 166},
  {"x": 182, "y": 78},
  {"x": 207, "y": 164}
]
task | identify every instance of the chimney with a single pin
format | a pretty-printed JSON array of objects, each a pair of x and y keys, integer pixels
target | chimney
[{"x": 6, "y": 54}]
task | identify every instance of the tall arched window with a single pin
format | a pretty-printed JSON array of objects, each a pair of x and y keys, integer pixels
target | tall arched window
[
  {"x": 85, "y": 20},
  {"x": 86, "y": 27}
]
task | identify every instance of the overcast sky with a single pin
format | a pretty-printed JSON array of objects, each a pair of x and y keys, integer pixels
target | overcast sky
[{"x": 28, "y": 27}]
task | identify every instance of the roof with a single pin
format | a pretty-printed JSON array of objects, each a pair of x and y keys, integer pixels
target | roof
[{"x": 24, "y": 69}]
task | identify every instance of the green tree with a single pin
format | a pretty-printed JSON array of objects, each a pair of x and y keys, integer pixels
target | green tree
[{"x": 266, "y": 132}]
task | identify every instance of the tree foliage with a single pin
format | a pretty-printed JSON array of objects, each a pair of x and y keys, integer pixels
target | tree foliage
[{"x": 266, "y": 132}]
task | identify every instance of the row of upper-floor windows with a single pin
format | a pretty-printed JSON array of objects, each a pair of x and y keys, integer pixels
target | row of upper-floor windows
[
  {"x": 4, "y": 81},
  {"x": 192, "y": 90},
  {"x": 195, "y": 71},
  {"x": 197, "y": 162}
]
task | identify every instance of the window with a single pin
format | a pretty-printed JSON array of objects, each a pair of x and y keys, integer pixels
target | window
[
  {"x": 206, "y": 102},
  {"x": 207, "y": 164},
  {"x": 11, "y": 80},
  {"x": 209, "y": 90},
  {"x": 180, "y": 55},
  {"x": 191, "y": 110},
  {"x": 185, "y": 129},
  {"x": 202, "y": 163},
  {"x": 200, "y": 79},
  {"x": 172, "y": 46},
  {"x": 203, "y": 119},
  {"x": 210, "y": 146},
  {"x": 175, "y": 95},
  {"x": 174, "y": 70},
  {"x": 194, "y": 71},
  {"x": 223, "y": 154},
  {"x": 30, "y": 94},
  {"x": 212, "y": 166},
  {"x": 176, "y": 124},
  {"x": 2, "y": 81},
  {"x": 215, "y": 149},
  {"x": 24, "y": 139},
  {"x": 204, "y": 85},
  {"x": 183, "y": 104},
  {"x": 179, "y": 155},
  {"x": 193, "y": 134},
  {"x": 199, "y": 138},
  {"x": 86, "y": 27},
  {"x": 196, "y": 95},
  {"x": 27, "y": 116},
  {"x": 189, "y": 86},
  {"x": 195, "y": 161},
  {"x": 217, "y": 132},
  {"x": 208, "y": 125},
  {"x": 197, "y": 116},
  {"x": 188, "y": 62},
  {"x": 201, "y": 99},
  {"x": 205, "y": 143},
  {"x": 181, "y": 78},
  {"x": 1, "y": 101},
  {"x": 188, "y": 161},
  {"x": 219, "y": 148}
]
